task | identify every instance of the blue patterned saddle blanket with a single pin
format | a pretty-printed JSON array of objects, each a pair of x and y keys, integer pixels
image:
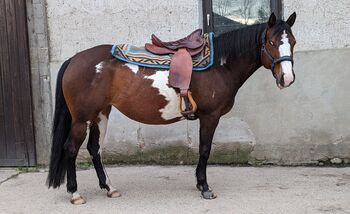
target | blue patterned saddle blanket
[{"x": 140, "y": 56}]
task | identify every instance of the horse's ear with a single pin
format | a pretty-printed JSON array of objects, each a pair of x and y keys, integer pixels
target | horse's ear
[
  {"x": 272, "y": 20},
  {"x": 290, "y": 21}
]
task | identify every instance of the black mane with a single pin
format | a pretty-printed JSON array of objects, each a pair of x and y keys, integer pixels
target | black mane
[{"x": 236, "y": 42}]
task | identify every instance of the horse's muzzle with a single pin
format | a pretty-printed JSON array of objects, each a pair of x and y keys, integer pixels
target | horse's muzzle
[{"x": 284, "y": 81}]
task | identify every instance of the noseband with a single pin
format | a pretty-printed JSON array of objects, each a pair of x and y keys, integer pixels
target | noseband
[{"x": 267, "y": 53}]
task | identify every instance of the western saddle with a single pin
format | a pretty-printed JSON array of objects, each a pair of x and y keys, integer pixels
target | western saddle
[{"x": 182, "y": 51}]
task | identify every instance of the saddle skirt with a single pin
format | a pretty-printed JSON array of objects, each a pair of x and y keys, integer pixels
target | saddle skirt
[{"x": 140, "y": 56}]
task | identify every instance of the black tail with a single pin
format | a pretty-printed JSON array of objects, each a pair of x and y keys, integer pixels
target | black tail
[{"x": 60, "y": 131}]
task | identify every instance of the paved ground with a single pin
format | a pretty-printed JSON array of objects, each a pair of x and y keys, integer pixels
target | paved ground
[{"x": 155, "y": 189}]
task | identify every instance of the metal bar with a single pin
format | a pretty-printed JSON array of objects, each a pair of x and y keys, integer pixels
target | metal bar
[{"x": 208, "y": 16}]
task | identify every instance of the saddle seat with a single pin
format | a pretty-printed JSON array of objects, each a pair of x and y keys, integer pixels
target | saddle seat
[
  {"x": 180, "y": 65},
  {"x": 192, "y": 41}
]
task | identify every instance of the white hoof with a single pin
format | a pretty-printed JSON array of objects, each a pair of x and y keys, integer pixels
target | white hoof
[
  {"x": 113, "y": 194},
  {"x": 77, "y": 199}
]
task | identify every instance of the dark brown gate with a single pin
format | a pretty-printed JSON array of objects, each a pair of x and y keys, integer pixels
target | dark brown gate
[{"x": 16, "y": 121}]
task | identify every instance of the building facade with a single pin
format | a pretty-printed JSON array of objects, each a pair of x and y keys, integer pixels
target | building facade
[{"x": 307, "y": 123}]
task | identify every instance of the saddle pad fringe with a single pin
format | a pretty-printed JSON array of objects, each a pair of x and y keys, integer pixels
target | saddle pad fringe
[{"x": 140, "y": 56}]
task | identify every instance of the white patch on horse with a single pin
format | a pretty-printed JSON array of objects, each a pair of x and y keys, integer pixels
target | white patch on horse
[
  {"x": 222, "y": 61},
  {"x": 88, "y": 124},
  {"x": 287, "y": 68},
  {"x": 102, "y": 127},
  {"x": 99, "y": 67},
  {"x": 111, "y": 188},
  {"x": 75, "y": 195},
  {"x": 160, "y": 81},
  {"x": 133, "y": 68}
]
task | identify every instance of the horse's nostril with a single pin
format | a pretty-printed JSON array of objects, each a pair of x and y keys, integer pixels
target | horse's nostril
[
  {"x": 282, "y": 80},
  {"x": 287, "y": 79}
]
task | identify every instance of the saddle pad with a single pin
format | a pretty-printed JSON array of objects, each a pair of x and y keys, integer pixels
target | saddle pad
[{"x": 140, "y": 56}]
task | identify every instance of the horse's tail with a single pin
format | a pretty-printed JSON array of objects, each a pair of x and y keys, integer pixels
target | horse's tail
[{"x": 60, "y": 131}]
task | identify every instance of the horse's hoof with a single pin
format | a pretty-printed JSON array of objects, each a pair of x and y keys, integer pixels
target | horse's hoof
[
  {"x": 208, "y": 194},
  {"x": 113, "y": 194},
  {"x": 78, "y": 201}
]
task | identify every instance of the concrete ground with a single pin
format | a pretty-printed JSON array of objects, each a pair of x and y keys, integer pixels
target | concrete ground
[{"x": 157, "y": 189}]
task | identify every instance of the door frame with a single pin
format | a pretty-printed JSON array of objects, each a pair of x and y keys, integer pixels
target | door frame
[{"x": 41, "y": 79}]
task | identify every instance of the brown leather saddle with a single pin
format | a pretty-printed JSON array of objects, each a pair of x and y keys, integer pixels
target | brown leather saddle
[{"x": 180, "y": 65}]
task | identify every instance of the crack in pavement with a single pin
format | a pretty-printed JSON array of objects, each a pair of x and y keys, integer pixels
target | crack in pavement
[{"x": 9, "y": 178}]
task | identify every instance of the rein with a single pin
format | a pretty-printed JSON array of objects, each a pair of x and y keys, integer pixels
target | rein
[{"x": 267, "y": 53}]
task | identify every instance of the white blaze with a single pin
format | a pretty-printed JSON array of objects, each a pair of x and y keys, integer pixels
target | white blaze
[
  {"x": 287, "y": 67},
  {"x": 160, "y": 81}
]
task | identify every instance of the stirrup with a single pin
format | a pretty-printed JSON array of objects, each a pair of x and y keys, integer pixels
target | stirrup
[{"x": 190, "y": 106}]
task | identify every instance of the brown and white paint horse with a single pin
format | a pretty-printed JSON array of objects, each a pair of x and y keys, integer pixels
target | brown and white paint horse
[{"x": 93, "y": 81}]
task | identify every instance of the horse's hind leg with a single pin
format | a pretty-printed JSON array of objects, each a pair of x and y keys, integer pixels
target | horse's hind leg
[
  {"x": 77, "y": 137},
  {"x": 97, "y": 134}
]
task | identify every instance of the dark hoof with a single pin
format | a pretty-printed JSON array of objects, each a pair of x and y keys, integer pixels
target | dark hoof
[{"x": 208, "y": 194}]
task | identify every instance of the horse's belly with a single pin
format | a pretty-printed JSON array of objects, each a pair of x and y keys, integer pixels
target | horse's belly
[{"x": 147, "y": 98}]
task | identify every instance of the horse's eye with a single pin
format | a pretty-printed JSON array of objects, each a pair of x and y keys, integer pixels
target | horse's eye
[{"x": 271, "y": 43}]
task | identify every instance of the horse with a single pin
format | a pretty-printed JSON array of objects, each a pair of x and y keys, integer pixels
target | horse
[{"x": 92, "y": 81}]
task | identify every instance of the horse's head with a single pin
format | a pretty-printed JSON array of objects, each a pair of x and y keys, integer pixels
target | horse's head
[{"x": 277, "y": 50}]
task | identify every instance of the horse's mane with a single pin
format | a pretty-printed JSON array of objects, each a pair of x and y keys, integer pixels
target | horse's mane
[{"x": 236, "y": 42}]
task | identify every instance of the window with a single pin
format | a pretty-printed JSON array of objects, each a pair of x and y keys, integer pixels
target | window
[{"x": 221, "y": 16}]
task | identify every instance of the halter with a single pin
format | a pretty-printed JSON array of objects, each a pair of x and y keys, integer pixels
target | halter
[{"x": 273, "y": 60}]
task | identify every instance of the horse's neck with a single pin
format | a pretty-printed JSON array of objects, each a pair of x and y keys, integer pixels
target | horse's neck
[
  {"x": 239, "y": 52},
  {"x": 243, "y": 66},
  {"x": 246, "y": 64}
]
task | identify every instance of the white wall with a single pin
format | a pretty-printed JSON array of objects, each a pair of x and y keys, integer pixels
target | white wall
[
  {"x": 80, "y": 24},
  {"x": 321, "y": 24}
]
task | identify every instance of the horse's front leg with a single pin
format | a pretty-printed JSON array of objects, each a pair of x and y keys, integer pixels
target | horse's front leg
[{"x": 208, "y": 124}]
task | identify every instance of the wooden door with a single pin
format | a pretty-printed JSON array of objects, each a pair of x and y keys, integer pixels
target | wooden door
[{"x": 16, "y": 121}]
